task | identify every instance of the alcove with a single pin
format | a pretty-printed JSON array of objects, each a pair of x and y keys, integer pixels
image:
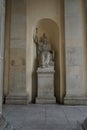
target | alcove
[{"x": 50, "y": 28}]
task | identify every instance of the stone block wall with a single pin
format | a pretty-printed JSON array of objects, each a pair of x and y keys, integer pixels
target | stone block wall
[
  {"x": 17, "y": 69},
  {"x": 74, "y": 46},
  {"x": 18, "y": 47}
]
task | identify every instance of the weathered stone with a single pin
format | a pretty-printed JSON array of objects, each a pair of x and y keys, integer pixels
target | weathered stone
[
  {"x": 75, "y": 81},
  {"x": 84, "y": 124},
  {"x": 79, "y": 126},
  {"x": 74, "y": 56},
  {"x": 45, "y": 85},
  {"x": 16, "y": 99},
  {"x": 45, "y": 54},
  {"x": 75, "y": 100},
  {"x": 5, "y": 125},
  {"x": 2, "y": 27},
  {"x": 17, "y": 68}
]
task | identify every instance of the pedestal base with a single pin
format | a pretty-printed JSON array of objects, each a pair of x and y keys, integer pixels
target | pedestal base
[
  {"x": 16, "y": 99},
  {"x": 75, "y": 100},
  {"x": 45, "y": 85}
]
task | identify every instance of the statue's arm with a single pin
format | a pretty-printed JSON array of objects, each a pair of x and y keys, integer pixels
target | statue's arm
[{"x": 35, "y": 38}]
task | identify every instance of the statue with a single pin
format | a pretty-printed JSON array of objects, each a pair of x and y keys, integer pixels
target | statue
[
  {"x": 45, "y": 71},
  {"x": 45, "y": 54}
]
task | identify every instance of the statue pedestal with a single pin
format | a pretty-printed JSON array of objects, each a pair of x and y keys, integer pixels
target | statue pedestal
[{"x": 45, "y": 85}]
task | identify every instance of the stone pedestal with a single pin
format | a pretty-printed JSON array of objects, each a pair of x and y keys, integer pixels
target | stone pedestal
[{"x": 45, "y": 88}]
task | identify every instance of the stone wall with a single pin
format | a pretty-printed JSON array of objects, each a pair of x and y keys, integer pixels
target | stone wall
[
  {"x": 17, "y": 72},
  {"x": 70, "y": 46},
  {"x": 20, "y": 52}
]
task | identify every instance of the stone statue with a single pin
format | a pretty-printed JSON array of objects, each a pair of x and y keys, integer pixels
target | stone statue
[{"x": 45, "y": 54}]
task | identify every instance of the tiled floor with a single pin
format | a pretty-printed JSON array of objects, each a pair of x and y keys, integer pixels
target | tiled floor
[{"x": 44, "y": 117}]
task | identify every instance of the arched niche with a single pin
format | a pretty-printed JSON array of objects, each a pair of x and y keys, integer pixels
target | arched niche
[{"x": 51, "y": 29}]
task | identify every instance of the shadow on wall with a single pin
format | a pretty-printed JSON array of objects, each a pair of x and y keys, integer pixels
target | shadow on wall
[{"x": 49, "y": 27}]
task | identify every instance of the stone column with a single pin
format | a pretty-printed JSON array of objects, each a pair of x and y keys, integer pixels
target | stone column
[
  {"x": 2, "y": 25},
  {"x": 17, "y": 62},
  {"x": 3, "y": 124},
  {"x": 74, "y": 42}
]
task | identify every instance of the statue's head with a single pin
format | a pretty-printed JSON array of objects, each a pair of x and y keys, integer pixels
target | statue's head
[
  {"x": 36, "y": 30},
  {"x": 44, "y": 38}
]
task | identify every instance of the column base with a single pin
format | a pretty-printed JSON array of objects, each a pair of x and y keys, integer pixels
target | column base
[
  {"x": 75, "y": 100},
  {"x": 45, "y": 101},
  {"x": 16, "y": 99}
]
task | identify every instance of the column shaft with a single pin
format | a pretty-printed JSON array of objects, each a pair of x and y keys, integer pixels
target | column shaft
[
  {"x": 74, "y": 44},
  {"x": 2, "y": 26}
]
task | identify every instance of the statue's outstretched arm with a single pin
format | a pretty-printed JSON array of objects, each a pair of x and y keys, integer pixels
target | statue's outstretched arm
[{"x": 35, "y": 38}]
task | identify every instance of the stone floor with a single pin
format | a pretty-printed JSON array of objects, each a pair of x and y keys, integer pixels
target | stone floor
[{"x": 44, "y": 117}]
